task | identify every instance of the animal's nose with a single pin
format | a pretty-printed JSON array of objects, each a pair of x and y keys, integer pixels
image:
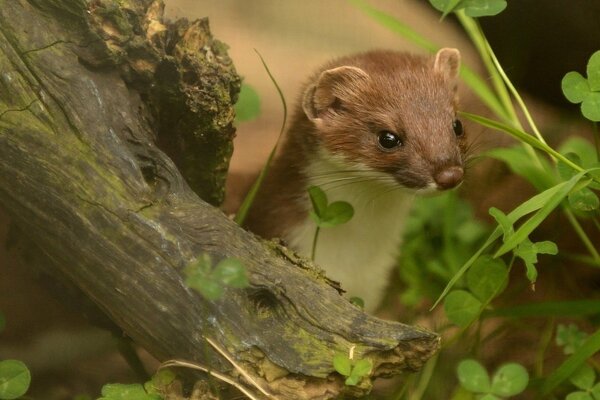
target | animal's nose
[{"x": 448, "y": 177}]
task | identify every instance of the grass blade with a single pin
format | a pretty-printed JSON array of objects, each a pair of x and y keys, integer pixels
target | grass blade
[
  {"x": 577, "y": 308},
  {"x": 240, "y": 217},
  {"x": 590, "y": 347},
  {"x": 522, "y": 136},
  {"x": 551, "y": 201}
]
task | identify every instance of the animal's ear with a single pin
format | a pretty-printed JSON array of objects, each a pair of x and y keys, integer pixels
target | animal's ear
[
  {"x": 447, "y": 63},
  {"x": 333, "y": 87}
]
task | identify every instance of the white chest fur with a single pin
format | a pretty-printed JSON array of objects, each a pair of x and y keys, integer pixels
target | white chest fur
[{"x": 361, "y": 253}]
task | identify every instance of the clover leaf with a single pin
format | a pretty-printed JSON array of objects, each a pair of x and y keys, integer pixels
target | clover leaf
[
  {"x": 211, "y": 282},
  {"x": 578, "y": 89},
  {"x": 508, "y": 380},
  {"x": 328, "y": 215},
  {"x": 353, "y": 370},
  {"x": 473, "y": 8}
]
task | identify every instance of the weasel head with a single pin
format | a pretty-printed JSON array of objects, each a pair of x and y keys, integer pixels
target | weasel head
[{"x": 394, "y": 113}]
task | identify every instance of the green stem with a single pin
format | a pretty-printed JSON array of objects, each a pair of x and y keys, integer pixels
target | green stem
[
  {"x": 474, "y": 31},
  {"x": 240, "y": 217},
  {"x": 515, "y": 94},
  {"x": 545, "y": 341},
  {"x": 425, "y": 378},
  {"x": 582, "y": 235},
  {"x": 314, "y": 245}
]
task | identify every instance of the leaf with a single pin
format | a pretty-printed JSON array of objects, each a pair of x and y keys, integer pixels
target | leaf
[
  {"x": 247, "y": 106},
  {"x": 575, "y": 87},
  {"x": 342, "y": 364},
  {"x": 484, "y": 8},
  {"x": 519, "y": 162},
  {"x": 590, "y": 107},
  {"x": 14, "y": 379},
  {"x": 160, "y": 380},
  {"x": 587, "y": 349},
  {"x": 117, "y": 391},
  {"x": 361, "y": 369},
  {"x": 584, "y": 377},
  {"x": 231, "y": 272},
  {"x": 569, "y": 337},
  {"x": 208, "y": 288},
  {"x": 579, "y": 396},
  {"x": 318, "y": 198},
  {"x": 584, "y": 200},
  {"x": 509, "y": 380},
  {"x": 461, "y": 307},
  {"x": 503, "y": 222},
  {"x": 596, "y": 391},
  {"x": 582, "y": 148},
  {"x": 473, "y": 376},
  {"x": 552, "y": 199},
  {"x": 487, "y": 278},
  {"x": 198, "y": 276},
  {"x": 337, "y": 213},
  {"x": 528, "y": 251},
  {"x": 593, "y": 71},
  {"x": 545, "y": 309},
  {"x": 564, "y": 170},
  {"x": 357, "y": 301},
  {"x": 489, "y": 396}
]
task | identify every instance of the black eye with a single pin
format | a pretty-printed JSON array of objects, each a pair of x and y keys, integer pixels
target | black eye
[
  {"x": 389, "y": 140},
  {"x": 458, "y": 127}
]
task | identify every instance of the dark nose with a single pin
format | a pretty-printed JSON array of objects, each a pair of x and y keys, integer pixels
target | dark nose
[{"x": 448, "y": 177}]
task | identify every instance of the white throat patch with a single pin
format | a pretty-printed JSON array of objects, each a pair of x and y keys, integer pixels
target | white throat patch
[{"x": 361, "y": 253}]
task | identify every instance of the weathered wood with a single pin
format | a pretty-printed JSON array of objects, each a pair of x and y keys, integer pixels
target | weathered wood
[{"x": 86, "y": 88}]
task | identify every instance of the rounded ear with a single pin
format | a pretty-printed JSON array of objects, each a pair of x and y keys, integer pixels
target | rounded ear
[
  {"x": 333, "y": 85},
  {"x": 447, "y": 63}
]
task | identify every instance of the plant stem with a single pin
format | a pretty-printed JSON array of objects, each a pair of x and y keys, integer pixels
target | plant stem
[
  {"x": 240, "y": 217},
  {"x": 541, "y": 351},
  {"x": 314, "y": 245},
  {"x": 425, "y": 378},
  {"x": 474, "y": 31},
  {"x": 582, "y": 235}
]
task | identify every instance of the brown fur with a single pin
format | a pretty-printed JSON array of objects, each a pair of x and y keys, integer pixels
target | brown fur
[{"x": 346, "y": 104}]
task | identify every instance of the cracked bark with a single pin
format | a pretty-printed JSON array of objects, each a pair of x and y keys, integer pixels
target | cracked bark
[{"x": 92, "y": 96}]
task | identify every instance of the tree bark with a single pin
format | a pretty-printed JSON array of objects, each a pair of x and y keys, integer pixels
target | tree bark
[{"x": 88, "y": 90}]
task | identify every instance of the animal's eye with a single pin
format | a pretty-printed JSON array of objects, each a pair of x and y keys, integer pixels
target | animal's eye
[
  {"x": 458, "y": 128},
  {"x": 388, "y": 140}
]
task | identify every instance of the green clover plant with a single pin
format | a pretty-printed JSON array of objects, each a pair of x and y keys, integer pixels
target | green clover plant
[
  {"x": 327, "y": 215},
  {"x": 578, "y": 89},
  {"x": 211, "y": 281},
  {"x": 14, "y": 379},
  {"x": 150, "y": 390},
  {"x": 585, "y": 380},
  {"x": 508, "y": 380},
  {"x": 472, "y": 8},
  {"x": 353, "y": 370},
  {"x": 486, "y": 279}
]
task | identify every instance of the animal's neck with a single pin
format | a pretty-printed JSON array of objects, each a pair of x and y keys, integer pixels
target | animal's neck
[{"x": 361, "y": 252}]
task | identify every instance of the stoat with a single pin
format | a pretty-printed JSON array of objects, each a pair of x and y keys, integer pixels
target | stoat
[{"x": 372, "y": 129}]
